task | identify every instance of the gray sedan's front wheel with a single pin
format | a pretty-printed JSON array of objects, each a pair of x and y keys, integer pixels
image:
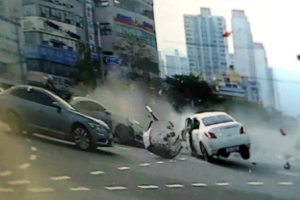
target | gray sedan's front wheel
[{"x": 83, "y": 139}]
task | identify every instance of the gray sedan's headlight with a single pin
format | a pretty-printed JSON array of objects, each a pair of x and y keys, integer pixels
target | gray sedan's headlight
[{"x": 98, "y": 128}]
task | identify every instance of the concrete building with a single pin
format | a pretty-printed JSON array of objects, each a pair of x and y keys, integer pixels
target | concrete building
[
  {"x": 207, "y": 49},
  {"x": 264, "y": 76},
  {"x": 243, "y": 44},
  {"x": 117, "y": 17},
  {"x": 52, "y": 30},
  {"x": 12, "y": 65},
  {"x": 272, "y": 88},
  {"x": 162, "y": 69},
  {"x": 177, "y": 64}
]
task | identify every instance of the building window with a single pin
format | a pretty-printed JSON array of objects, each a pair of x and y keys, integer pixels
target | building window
[
  {"x": 30, "y": 37},
  {"x": 45, "y": 11},
  {"x": 105, "y": 29},
  {"x": 79, "y": 21}
]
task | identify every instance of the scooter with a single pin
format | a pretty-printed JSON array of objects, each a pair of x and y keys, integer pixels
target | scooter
[{"x": 160, "y": 138}]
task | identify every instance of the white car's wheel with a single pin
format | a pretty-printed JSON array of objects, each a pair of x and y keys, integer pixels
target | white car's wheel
[
  {"x": 205, "y": 155},
  {"x": 245, "y": 153}
]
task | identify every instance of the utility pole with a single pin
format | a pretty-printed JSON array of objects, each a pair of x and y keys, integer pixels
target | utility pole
[{"x": 100, "y": 50}]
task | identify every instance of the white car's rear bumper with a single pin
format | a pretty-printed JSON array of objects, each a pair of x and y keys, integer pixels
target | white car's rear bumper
[{"x": 219, "y": 146}]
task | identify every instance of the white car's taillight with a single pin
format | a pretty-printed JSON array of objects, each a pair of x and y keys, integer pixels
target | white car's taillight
[
  {"x": 243, "y": 130},
  {"x": 210, "y": 135}
]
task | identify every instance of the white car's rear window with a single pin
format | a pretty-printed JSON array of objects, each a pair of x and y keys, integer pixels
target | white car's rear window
[{"x": 217, "y": 119}]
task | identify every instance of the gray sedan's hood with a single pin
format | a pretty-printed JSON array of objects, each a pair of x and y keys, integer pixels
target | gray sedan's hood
[{"x": 90, "y": 118}]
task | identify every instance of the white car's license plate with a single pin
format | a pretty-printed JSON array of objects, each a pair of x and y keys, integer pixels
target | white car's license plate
[{"x": 231, "y": 149}]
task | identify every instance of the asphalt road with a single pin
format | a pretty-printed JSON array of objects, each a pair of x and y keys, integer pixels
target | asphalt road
[{"x": 33, "y": 167}]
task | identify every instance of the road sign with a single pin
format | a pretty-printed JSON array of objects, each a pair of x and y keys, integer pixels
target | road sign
[{"x": 112, "y": 60}]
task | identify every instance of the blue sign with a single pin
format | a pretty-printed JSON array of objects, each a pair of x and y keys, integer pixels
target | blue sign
[
  {"x": 123, "y": 17},
  {"x": 112, "y": 60},
  {"x": 53, "y": 54}
]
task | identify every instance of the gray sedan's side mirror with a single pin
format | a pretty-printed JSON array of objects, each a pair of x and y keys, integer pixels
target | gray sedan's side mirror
[{"x": 57, "y": 106}]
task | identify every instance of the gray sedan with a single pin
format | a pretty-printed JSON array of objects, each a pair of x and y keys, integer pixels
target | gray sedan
[{"x": 36, "y": 110}]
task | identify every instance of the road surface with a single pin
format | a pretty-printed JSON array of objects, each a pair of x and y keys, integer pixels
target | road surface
[{"x": 33, "y": 167}]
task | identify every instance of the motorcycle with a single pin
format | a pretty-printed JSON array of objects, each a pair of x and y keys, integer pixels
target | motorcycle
[{"x": 160, "y": 138}]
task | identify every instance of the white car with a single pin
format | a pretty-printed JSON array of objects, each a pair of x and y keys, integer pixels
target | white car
[{"x": 216, "y": 134}]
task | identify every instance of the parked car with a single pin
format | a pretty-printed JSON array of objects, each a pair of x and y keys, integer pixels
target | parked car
[
  {"x": 125, "y": 129},
  {"x": 216, "y": 133},
  {"x": 36, "y": 110}
]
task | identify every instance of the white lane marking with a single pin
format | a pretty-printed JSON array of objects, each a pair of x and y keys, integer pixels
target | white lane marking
[
  {"x": 6, "y": 190},
  {"x": 59, "y": 178},
  {"x": 199, "y": 184},
  {"x": 33, "y": 157},
  {"x": 33, "y": 149},
  {"x": 24, "y": 166},
  {"x": 97, "y": 172},
  {"x": 144, "y": 164},
  {"x": 116, "y": 188},
  {"x": 285, "y": 183},
  {"x": 18, "y": 182},
  {"x": 174, "y": 186},
  {"x": 147, "y": 187},
  {"x": 182, "y": 159},
  {"x": 5, "y": 173},
  {"x": 255, "y": 183},
  {"x": 123, "y": 168},
  {"x": 160, "y": 162},
  {"x": 80, "y": 189},
  {"x": 123, "y": 148},
  {"x": 222, "y": 184},
  {"x": 40, "y": 189},
  {"x": 172, "y": 161}
]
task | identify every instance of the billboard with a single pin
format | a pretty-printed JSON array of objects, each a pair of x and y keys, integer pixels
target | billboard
[{"x": 51, "y": 54}]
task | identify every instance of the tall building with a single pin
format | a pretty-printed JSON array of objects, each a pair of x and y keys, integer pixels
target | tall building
[
  {"x": 177, "y": 64},
  {"x": 263, "y": 76},
  {"x": 272, "y": 88},
  {"x": 243, "y": 44},
  {"x": 52, "y": 30},
  {"x": 116, "y": 17},
  {"x": 12, "y": 65},
  {"x": 207, "y": 49}
]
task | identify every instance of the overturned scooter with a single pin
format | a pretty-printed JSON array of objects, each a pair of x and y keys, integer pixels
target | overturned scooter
[{"x": 160, "y": 138}]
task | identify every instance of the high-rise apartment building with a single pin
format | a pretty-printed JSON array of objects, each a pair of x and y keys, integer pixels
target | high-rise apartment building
[
  {"x": 243, "y": 44},
  {"x": 116, "y": 17},
  {"x": 207, "y": 49},
  {"x": 177, "y": 64}
]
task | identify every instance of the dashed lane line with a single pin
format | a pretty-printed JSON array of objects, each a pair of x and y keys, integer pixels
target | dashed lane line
[
  {"x": 6, "y": 190},
  {"x": 97, "y": 172},
  {"x": 123, "y": 168},
  {"x": 36, "y": 190},
  {"x": 24, "y": 166},
  {"x": 33, "y": 149},
  {"x": 182, "y": 159},
  {"x": 80, "y": 189},
  {"x": 60, "y": 178},
  {"x": 160, "y": 162},
  {"x": 112, "y": 188},
  {"x": 199, "y": 184},
  {"x": 255, "y": 183},
  {"x": 174, "y": 186},
  {"x": 18, "y": 182},
  {"x": 147, "y": 186},
  {"x": 5, "y": 173},
  {"x": 145, "y": 165},
  {"x": 33, "y": 157},
  {"x": 286, "y": 183},
  {"x": 222, "y": 184}
]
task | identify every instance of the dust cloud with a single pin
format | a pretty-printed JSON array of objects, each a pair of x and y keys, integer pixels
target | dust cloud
[{"x": 128, "y": 99}]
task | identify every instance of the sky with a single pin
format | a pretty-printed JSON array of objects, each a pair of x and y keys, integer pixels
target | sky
[{"x": 273, "y": 24}]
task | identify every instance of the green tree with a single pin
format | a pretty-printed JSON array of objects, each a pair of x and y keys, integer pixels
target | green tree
[
  {"x": 87, "y": 68},
  {"x": 132, "y": 51},
  {"x": 190, "y": 89}
]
